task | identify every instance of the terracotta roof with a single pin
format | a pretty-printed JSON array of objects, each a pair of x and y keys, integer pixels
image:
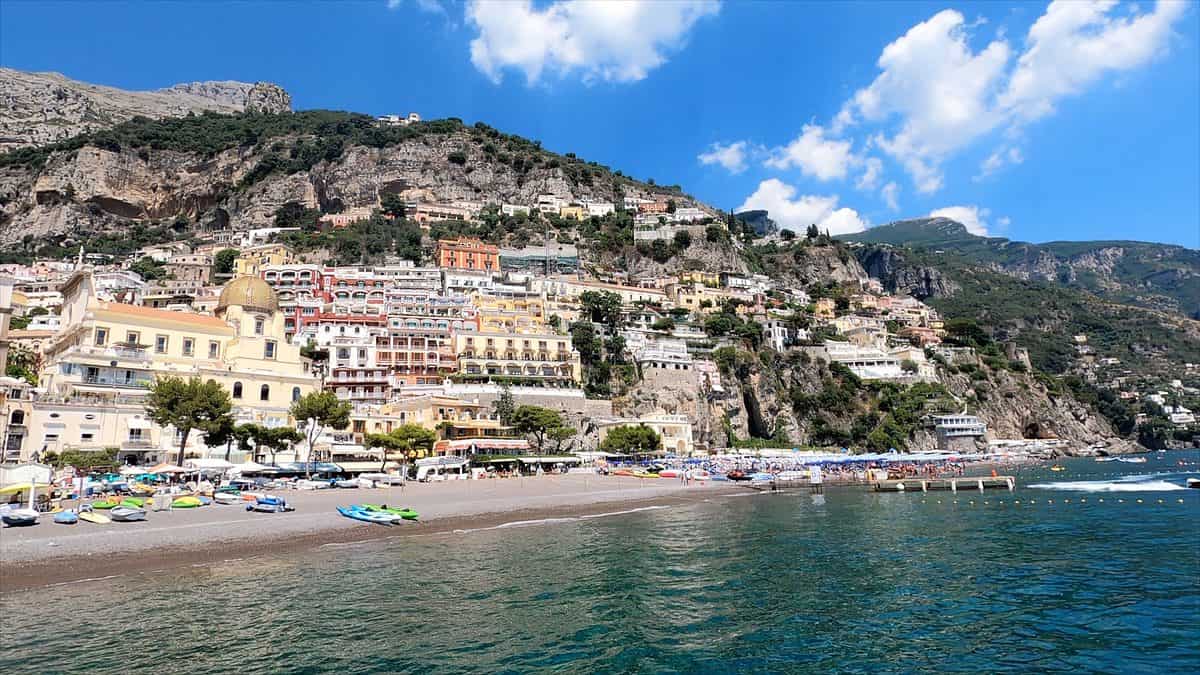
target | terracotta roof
[{"x": 190, "y": 318}]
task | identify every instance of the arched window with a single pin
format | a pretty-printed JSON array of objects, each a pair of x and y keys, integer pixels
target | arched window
[
  {"x": 237, "y": 389},
  {"x": 18, "y": 418},
  {"x": 295, "y": 393},
  {"x": 264, "y": 394}
]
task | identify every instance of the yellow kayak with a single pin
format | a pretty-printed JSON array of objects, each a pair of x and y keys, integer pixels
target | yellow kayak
[
  {"x": 186, "y": 503},
  {"x": 93, "y": 517}
]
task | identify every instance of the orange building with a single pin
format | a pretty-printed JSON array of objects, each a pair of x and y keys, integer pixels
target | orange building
[{"x": 470, "y": 254}]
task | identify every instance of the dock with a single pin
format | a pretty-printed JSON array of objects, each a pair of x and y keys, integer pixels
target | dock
[{"x": 960, "y": 483}]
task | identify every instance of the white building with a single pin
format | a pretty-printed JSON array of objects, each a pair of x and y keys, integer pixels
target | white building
[{"x": 513, "y": 209}]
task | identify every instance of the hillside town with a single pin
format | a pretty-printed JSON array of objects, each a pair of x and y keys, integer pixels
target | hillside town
[{"x": 451, "y": 345}]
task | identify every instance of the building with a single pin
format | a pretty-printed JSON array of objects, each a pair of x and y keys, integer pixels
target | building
[
  {"x": 345, "y": 218},
  {"x": 550, "y": 203},
  {"x": 674, "y": 430},
  {"x": 952, "y": 430},
  {"x": 598, "y": 209},
  {"x": 573, "y": 211},
  {"x": 193, "y": 267},
  {"x": 250, "y": 261},
  {"x": 537, "y": 358},
  {"x": 567, "y": 287},
  {"x": 470, "y": 254},
  {"x": 514, "y": 209},
  {"x": 549, "y": 260},
  {"x": 99, "y": 369},
  {"x": 424, "y": 214},
  {"x": 398, "y": 120}
]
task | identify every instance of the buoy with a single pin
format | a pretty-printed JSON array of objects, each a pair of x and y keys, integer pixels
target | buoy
[
  {"x": 1139, "y": 501},
  {"x": 1082, "y": 501},
  {"x": 1120, "y": 501},
  {"x": 1160, "y": 501},
  {"x": 1102, "y": 500},
  {"x": 1180, "y": 501},
  {"x": 1049, "y": 501},
  {"x": 1016, "y": 503},
  {"x": 940, "y": 501},
  {"x": 1066, "y": 501}
]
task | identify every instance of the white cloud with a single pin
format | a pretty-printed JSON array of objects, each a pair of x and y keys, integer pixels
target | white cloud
[
  {"x": 1075, "y": 43},
  {"x": 814, "y": 154},
  {"x": 598, "y": 39},
  {"x": 797, "y": 213},
  {"x": 973, "y": 218},
  {"x": 873, "y": 169},
  {"x": 891, "y": 195},
  {"x": 731, "y": 156},
  {"x": 999, "y": 159},
  {"x": 936, "y": 95}
]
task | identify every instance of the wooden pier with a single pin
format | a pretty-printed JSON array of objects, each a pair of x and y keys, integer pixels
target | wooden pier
[{"x": 960, "y": 483}]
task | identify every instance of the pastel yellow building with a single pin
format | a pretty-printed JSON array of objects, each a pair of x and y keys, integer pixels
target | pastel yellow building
[
  {"x": 108, "y": 354},
  {"x": 575, "y": 212},
  {"x": 250, "y": 261},
  {"x": 539, "y": 357}
]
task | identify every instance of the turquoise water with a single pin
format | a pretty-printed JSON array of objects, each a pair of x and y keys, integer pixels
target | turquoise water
[{"x": 849, "y": 582}]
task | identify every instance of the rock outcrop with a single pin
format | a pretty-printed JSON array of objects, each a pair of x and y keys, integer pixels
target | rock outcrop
[
  {"x": 897, "y": 275},
  {"x": 41, "y": 108}
]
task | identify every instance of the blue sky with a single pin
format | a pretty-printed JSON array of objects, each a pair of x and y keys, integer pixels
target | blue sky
[{"x": 1034, "y": 121}]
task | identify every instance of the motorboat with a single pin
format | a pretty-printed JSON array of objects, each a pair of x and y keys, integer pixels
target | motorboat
[
  {"x": 13, "y": 515},
  {"x": 227, "y": 497},
  {"x": 127, "y": 514},
  {"x": 68, "y": 517},
  {"x": 1132, "y": 460},
  {"x": 105, "y": 504},
  {"x": 350, "y": 483},
  {"x": 737, "y": 475},
  {"x": 1106, "y": 459},
  {"x": 312, "y": 485},
  {"x": 355, "y": 512},
  {"x": 89, "y": 516},
  {"x": 1193, "y": 483}
]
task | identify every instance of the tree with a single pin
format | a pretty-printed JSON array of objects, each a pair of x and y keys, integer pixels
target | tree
[
  {"x": 314, "y": 413},
  {"x": 672, "y": 207},
  {"x": 407, "y": 441},
  {"x": 278, "y": 439},
  {"x": 561, "y": 436},
  {"x": 223, "y": 260},
  {"x": 24, "y": 364},
  {"x": 504, "y": 407},
  {"x": 625, "y": 440},
  {"x": 187, "y": 405},
  {"x": 787, "y": 235},
  {"x": 665, "y": 323},
  {"x": 812, "y": 232},
  {"x": 683, "y": 239},
  {"x": 539, "y": 422},
  {"x": 392, "y": 205},
  {"x": 602, "y": 306},
  {"x": 908, "y": 366},
  {"x": 148, "y": 268}
]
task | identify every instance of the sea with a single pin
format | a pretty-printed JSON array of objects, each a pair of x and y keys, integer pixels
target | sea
[{"x": 1095, "y": 568}]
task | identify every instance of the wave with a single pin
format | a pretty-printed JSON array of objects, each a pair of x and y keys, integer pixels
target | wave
[{"x": 1110, "y": 486}]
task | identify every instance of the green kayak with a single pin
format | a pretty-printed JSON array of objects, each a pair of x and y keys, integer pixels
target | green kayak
[
  {"x": 407, "y": 514},
  {"x": 133, "y": 502},
  {"x": 105, "y": 504},
  {"x": 186, "y": 503}
]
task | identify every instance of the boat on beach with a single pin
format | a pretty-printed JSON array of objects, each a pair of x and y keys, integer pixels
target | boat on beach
[
  {"x": 89, "y": 516},
  {"x": 68, "y": 517},
  {"x": 405, "y": 513},
  {"x": 127, "y": 514},
  {"x": 13, "y": 515},
  {"x": 355, "y": 512},
  {"x": 268, "y": 504}
]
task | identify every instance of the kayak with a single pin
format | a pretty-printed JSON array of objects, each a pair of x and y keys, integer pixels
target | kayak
[
  {"x": 670, "y": 473},
  {"x": 268, "y": 504},
  {"x": 227, "y": 497},
  {"x": 66, "y": 518},
  {"x": 186, "y": 503},
  {"x": 366, "y": 516},
  {"x": 133, "y": 502},
  {"x": 19, "y": 517},
  {"x": 105, "y": 504},
  {"x": 126, "y": 514},
  {"x": 405, "y": 513},
  {"x": 93, "y": 517}
]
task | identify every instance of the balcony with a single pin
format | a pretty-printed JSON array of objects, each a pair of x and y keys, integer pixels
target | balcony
[{"x": 108, "y": 381}]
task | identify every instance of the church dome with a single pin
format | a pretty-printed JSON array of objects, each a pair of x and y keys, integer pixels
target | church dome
[{"x": 249, "y": 293}]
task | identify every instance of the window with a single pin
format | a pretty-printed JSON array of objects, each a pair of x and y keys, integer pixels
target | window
[
  {"x": 86, "y": 437},
  {"x": 269, "y": 349},
  {"x": 264, "y": 394},
  {"x": 295, "y": 393},
  {"x": 101, "y": 336},
  {"x": 160, "y": 344},
  {"x": 133, "y": 338},
  {"x": 258, "y": 326},
  {"x": 214, "y": 350},
  {"x": 237, "y": 389},
  {"x": 189, "y": 346},
  {"x": 17, "y": 419}
]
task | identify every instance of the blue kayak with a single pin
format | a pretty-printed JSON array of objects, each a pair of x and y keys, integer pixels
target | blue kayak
[
  {"x": 66, "y": 518},
  {"x": 366, "y": 516}
]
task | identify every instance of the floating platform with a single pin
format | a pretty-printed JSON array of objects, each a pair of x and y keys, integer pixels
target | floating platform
[{"x": 958, "y": 484}]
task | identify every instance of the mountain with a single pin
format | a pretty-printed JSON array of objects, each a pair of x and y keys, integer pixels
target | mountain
[
  {"x": 759, "y": 220},
  {"x": 1155, "y": 276},
  {"x": 41, "y": 108}
]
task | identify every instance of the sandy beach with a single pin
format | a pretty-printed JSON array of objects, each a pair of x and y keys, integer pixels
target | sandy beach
[{"x": 51, "y": 553}]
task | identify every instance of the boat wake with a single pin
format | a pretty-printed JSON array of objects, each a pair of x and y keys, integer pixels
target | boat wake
[{"x": 1147, "y": 483}]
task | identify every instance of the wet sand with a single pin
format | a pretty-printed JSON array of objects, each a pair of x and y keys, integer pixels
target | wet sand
[{"x": 51, "y": 553}]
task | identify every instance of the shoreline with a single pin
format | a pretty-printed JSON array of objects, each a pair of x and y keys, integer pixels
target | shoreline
[{"x": 49, "y": 554}]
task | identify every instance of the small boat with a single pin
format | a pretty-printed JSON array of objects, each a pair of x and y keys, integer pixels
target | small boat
[
  {"x": 20, "y": 517},
  {"x": 186, "y": 503},
  {"x": 133, "y": 502},
  {"x": 701, "y": 474},
  {"x": 1193, "y": 482},
  {"x": 352, "y": 483},
  {"x": 356, "y": 513},
  {"x": 670, "y": 473},
  {"x": 1106, "y": 459},
  {"x": 267, "y": 504},
  {"x": 227, "y": 498},
  {"x": 93, "y": 517},
  {"x": 105, "y": 504},
  {"x": 737, "y": 474},
  {"x": 405, "y": 513},
  {"x": 1058, "y": 467},
  {"x": 1132, "y": 460},
  {"x": 127, "y": 514},
  {"x": 68, "y": 517}
]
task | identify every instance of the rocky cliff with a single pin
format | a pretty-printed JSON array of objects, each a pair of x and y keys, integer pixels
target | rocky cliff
[
  {"x": 40, "y": 108},
  {"x": 897, "y": 275}
]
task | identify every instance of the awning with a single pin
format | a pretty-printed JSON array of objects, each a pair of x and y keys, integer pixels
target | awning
[
  {"x": 564, "y": 459},
  {"x": 250, "y": 467},
  {"x": 138, "y": 423},
  {"x": 165, "y": 468},
  {"x": 206, "y": 463},
  {"x": 353, "y": 467}
]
